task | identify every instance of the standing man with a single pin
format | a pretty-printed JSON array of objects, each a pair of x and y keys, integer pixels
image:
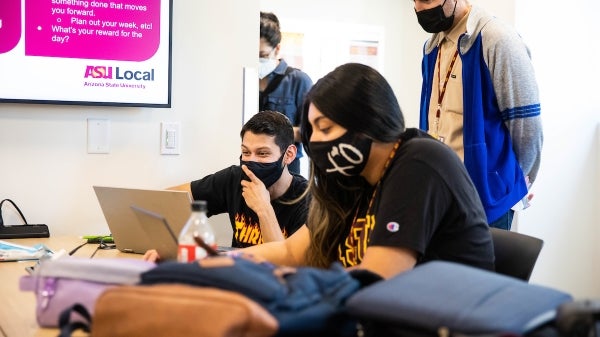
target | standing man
[
  {"x": 281, "y": 87},
  {"x": 480, "y": 97}
]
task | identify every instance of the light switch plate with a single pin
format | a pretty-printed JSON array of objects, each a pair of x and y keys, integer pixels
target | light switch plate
[
  {"x": 98, "y": 135},
  {"x": 170, "y": 137}
]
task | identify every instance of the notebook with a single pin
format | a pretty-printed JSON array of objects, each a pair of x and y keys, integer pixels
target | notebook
[{"x": 128, "y": 232}]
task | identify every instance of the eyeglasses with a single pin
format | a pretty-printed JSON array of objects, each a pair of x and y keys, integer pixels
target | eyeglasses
[{"x": 263, "y": 54}]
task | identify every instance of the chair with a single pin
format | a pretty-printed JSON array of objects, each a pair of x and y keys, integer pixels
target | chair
[{"x": 516, "y": 253}]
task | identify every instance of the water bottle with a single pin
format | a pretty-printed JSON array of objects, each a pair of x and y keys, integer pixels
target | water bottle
[{"x": 197, "y": 224}]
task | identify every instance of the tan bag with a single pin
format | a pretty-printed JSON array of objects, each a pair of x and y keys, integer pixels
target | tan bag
[{"x": 179, "y": 310}]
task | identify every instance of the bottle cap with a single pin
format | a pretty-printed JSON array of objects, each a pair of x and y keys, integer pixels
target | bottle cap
[{"x": 198, "y": 205}]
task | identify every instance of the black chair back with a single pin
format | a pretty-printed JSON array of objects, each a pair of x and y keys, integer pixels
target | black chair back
[{"x": 516, "y": 253}]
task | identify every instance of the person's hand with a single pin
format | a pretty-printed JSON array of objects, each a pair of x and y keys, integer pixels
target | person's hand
[
  {"x": 529, "y": 194},
  {"x": 254, "y": 192},
  {"x": 151, "y": 255}
]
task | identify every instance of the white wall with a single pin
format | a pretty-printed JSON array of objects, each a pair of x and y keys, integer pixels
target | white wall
[
  {"x": 565, "y": 210},
  {"x": 44, "y": 166}
]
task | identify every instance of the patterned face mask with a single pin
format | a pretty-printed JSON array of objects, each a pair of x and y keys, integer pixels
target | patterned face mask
[{"x": 347, "y": 155}]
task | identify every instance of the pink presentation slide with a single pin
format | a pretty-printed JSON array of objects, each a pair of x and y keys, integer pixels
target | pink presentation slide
[
  {"x": 90, "y": 52},
  {"x": 10, "y": 24},
  {"x": 126, "y": 30}
]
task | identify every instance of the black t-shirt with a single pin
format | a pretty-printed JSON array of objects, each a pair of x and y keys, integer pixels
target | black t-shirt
[
  {"x": 223, "y": 194},
  {"x": 426, "y": 202}
]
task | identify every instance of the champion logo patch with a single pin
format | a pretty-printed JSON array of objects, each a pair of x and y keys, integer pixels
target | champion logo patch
[{"x": 392, "y": 227}]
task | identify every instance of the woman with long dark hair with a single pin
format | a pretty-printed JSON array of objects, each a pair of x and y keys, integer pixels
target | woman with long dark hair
[{"x": 384, "y": 198}]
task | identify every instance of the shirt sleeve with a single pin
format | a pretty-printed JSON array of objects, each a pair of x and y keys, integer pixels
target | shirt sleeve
[
  {"x": 217, "y": 188},
  {"x": 412, "y": 203},
  {"x": 516, "y": 88}
]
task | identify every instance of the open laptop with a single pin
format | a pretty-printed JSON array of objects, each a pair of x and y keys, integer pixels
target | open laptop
[
  {"x": 127, "y": 231},
  {"x": 158, "y": 231},
  {"x": 161, "y": 234}
]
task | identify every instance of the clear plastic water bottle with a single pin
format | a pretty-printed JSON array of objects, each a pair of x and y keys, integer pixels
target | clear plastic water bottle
[{"x": 198, "y": 225}]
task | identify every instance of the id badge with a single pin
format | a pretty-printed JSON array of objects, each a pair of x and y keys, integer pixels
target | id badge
[{"x": 438, "y": 137}]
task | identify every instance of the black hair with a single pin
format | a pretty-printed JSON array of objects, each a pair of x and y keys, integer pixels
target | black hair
[
  {"x": 271, "y": 123},
  {"x": 269, "y": 28},
  {"x": 358, "y": 98}
]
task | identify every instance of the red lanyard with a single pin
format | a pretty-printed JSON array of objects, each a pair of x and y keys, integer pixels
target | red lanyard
[
  {"x": 443, "y": 90},
  {"x": 385, "y": 167}
]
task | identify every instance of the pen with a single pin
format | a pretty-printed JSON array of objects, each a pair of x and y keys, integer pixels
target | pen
[{"x": 209, "y": 250}]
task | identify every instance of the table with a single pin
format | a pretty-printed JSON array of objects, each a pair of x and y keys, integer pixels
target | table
[{"x": 17, "y": 311}]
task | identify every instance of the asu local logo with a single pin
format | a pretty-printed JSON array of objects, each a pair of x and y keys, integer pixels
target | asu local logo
[{"x": 104, "y": 72}]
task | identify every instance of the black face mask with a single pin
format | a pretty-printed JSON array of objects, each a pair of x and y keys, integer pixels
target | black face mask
[
  {"x": 268, "y": 173},
  {"x": 434, "y": 20},
  {"x": 347, "y": 155}
]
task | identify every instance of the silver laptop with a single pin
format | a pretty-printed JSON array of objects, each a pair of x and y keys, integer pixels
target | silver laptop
[
  {"x": 125, "y": 227},
  {"x": 158, "y": 231}
]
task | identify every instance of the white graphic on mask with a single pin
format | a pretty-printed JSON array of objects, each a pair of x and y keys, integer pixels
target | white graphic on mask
[{"x": 350, "y": 157}]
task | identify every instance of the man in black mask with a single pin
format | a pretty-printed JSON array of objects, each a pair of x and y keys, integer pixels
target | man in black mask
[
  {"x": 265, "y": 202},
  {"x": 480, "y": 97}
]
